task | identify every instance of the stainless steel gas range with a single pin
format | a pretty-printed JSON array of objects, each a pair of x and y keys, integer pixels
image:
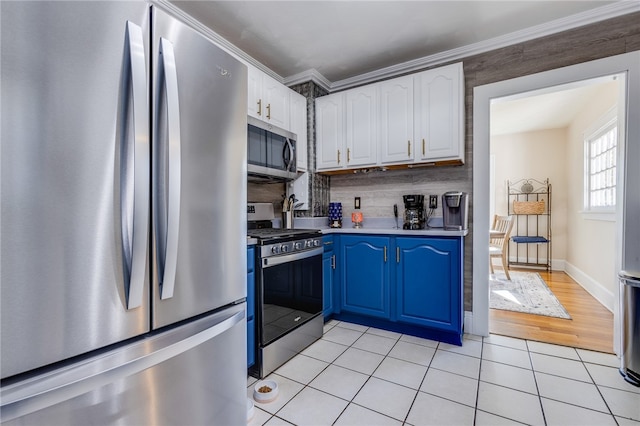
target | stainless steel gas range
[{"x": 288, "y": 289}]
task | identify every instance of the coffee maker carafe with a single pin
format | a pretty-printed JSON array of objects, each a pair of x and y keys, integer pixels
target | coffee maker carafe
[
  {"x": 413, "y": 211},
  {"x": 455, "y": 210}
]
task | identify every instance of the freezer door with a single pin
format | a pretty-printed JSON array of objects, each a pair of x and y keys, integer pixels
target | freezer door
[
  {"x": 191, "y": 375},
  {"x": 199, "y": 173},
  {"x": 73, "y": 138}
]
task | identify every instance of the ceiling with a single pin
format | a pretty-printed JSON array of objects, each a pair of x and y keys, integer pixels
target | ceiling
[
  {"x": 553, "y": 108},
  {"x": 339, "y": 40}
]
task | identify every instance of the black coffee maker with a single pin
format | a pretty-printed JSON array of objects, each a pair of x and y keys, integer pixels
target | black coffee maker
[{"x": 413, "y": 211}]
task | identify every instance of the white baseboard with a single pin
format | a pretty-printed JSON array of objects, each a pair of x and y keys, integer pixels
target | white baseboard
[
  {"x": 556, "y": 264},
  {"x": 594, "y": 288},
  {"x": 468, "y": 325}
]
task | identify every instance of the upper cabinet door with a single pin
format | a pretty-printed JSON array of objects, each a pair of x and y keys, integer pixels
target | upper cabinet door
[
  {"x": 254, "y": 94},
  {"x": 439, "y": 107},
  {"x": 276, "y": 102},
  {"x": 267, "y": 99},
  {"x": 330, "y": 132},
  {"x": 396, "y": 120},
  {"x": 298, "y": 126},
  {"x": 361, "y": 126}
]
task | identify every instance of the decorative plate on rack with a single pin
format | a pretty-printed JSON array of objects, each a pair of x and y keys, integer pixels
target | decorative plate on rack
[{"x": 526, "y": 187}]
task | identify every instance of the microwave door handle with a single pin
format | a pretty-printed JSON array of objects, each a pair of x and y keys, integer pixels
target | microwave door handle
[
  {"x": 134, "y": 165},
  {"x": 167, "y": 170},
  {"x": 289, "y": 160}
]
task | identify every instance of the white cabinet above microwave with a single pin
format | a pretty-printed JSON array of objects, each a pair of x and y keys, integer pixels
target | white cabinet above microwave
[{"x": 268, "y": 100}]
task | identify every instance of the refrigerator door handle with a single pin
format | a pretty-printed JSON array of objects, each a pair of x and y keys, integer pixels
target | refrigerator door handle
[
  {"x": 51, "y": 389},
  {"x": 167, "y": 168},
  {"x": 134, "y": 152}
]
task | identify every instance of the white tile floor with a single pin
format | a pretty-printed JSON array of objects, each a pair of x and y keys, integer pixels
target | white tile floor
[{"x": 357, "y": 375}]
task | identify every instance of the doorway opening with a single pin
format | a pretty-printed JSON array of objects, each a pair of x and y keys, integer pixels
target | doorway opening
[
  {"x": 537, "y": 137},
  {"x": 627, "y": 65}
]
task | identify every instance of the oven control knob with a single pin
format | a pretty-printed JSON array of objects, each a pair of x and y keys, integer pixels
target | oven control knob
[
  {"x": 298, "y": 246},
  {"x": 308, "y": 244},
  {"x": 284, "y": 248},
  {"x": 316, "y": 243},
  {"x": 275, "y": 250}
]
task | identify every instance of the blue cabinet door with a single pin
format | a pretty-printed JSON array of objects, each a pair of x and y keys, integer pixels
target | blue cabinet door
[
  {"x": 251, "y": 293},
  {"x": 365, "y": 275},
  {"x": 328, "y": 267},
  {"x": 429, "y": 282}
]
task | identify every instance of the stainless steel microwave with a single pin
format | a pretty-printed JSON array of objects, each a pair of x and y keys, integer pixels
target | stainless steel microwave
[{"x": 271, "y": 153}]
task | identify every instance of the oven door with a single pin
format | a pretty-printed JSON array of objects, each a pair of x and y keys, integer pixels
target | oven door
[{"x": 290, "y": 292}]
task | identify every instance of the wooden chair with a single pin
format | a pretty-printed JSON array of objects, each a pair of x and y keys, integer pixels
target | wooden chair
[{"x": 498, "y": 241}]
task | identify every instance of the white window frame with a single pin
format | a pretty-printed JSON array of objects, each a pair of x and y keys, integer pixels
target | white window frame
[{"x": 599, "y": 127}]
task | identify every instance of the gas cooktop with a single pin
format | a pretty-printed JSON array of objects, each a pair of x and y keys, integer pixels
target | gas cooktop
[{"x": 268, "y": 235}]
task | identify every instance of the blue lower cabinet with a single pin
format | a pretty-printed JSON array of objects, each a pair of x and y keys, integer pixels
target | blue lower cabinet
[
  {"x": 429, "y": 282},
  {"x": 365, "y": 275},
  {"x": 251, "y": 307},
  {"x": 328, "y": 282}
]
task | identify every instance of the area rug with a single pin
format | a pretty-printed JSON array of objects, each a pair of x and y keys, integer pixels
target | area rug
[{"x": 525, "y": 292}]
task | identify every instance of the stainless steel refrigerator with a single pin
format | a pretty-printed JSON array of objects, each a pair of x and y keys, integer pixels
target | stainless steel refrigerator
[{"x": 123, "y": 218}]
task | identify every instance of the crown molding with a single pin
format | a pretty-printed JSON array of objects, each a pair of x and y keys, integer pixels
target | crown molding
[
  {"x": 612, "y": 10},
  {"x": 308, "y": 75}
]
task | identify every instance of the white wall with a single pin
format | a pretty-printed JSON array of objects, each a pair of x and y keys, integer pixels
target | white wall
[
  {"x": 591, "y": 249},
  {"x": 538, "y": 155}
]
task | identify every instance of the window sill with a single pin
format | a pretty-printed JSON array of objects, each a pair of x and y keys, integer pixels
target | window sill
[{"x": 608, "y": 216}]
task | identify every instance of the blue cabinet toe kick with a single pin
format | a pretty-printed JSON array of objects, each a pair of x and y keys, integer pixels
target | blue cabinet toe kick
[{"x": 451, "y": 337}]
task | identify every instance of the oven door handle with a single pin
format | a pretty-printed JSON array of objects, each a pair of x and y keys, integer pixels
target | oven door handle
[{"x": 279, "y": 260}]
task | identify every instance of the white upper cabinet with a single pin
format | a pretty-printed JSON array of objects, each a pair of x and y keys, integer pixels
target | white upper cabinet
[
  {"x": 439, "y": 112},
  {"x": 361, "y": 126},
  {"x": 330, "y": 132},
  {"x": 416, "y": 118},
  {"x": 396, "y": 120},
  {"x": 268, "y": 100},
  {"x": 298, "y": 126}
]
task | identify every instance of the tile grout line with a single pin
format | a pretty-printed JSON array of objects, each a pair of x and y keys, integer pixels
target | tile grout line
[
  {"x": 598, "y": 389},
  {"x": 475, "y": 410},
  {"x": 535, "y": 380},
  {"x": 406, "y": 417}
]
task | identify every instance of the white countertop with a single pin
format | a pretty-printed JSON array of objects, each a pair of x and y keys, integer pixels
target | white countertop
[
  {"x": 433, "y": 232},
  {"x": 372, "y": 226},
  {"x": 377, "y": 225}
]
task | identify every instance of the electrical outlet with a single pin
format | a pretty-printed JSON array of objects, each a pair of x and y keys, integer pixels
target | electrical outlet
[
  {"x": 356, "y": 203},
  {"x": 433, "y": 201}
]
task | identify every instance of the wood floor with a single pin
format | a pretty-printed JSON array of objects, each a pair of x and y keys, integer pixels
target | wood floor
[{"x": 590, "y": 326}]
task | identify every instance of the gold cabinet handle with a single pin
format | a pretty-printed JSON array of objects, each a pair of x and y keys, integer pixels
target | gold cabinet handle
[
  {"x": 423, "y": 147},
  {"x": 333, "y": 262},
  {"x": 338, "y": 156},
  {"x": 259, "y": 106},
  {"x": 397, "y": 254},
  {"x": 268, "y": 111},
  {"x": 348, "y": 154},
  {"x": 385, "y": 254},
  {"x": 409, "y": 148}
]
